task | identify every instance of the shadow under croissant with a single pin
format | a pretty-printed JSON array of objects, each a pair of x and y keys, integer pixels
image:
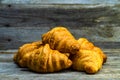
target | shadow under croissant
[
  {"x": 56, "y": 72},
  {"x": 69, "y": 70}
]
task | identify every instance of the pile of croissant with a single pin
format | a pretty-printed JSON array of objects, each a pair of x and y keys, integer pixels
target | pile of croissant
[{"x": 59, "y": 50}]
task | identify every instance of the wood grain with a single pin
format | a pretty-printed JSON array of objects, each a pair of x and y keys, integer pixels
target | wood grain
[
  {"x": 60, "y": 1},
  {"x": 14, "y": 37},
  {"x": 9, "y": 70},
  {"x": 21, "y": 23},
  {"x": 66, "y": 15}
]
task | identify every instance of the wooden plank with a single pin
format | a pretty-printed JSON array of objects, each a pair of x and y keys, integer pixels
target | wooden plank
[
  {"x": 14, "y": 37},
  {"x": 9, "y": 70},
  {"x": 66, "y": 15},
  {"x": 26, "y": 23},
  {"x": 60, "y": 1}
]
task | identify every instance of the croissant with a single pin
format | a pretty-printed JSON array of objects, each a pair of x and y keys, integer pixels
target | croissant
[
  {"x": 104, "y": 56},
  {"x": 24, "y": 49},
  {"x": 59, "y": 38},
  {"x": 87, "y": 60},
  {"x": 85, "y": 44},
  {"x": 41, "y": 58}
]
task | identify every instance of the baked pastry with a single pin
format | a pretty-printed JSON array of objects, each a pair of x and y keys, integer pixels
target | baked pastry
[
  {"x": 23, "y": 50},
  {"x": 59, "y": 38},
  {"x": 41, "y": 58},
  {"x": 87, "y": 45},
  {"x": 88, "y": 61}
]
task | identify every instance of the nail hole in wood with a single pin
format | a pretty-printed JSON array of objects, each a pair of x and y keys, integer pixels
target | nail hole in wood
[
  {"x": 9, "y": 40},
  {"x": 7, "y": 25},
  {"x": 9, "y": 5}
]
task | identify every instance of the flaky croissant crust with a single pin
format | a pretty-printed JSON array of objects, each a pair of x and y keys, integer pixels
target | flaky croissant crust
[
  {"x": 59, "y": 38},
  {"x": 87, "y": 60},
  {"x": 41, "y": 58},
  {"x": 87, "y": 45}
]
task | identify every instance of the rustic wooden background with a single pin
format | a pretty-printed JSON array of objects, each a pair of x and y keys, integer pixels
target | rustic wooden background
[{"x": 25, "y": 21}]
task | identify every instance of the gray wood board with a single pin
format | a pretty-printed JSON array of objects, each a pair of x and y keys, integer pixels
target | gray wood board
[
  {"x": 60, "y": 1},
  {"x": 20, "y": 23},
  {"x": 9, "y": 70},
  {"x": 14, "y": 37},
  {"x": 61, "y": 14}
]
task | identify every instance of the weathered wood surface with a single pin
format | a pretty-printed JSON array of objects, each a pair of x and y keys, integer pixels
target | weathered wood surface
[
  {"x": 60, "y": 1},
  {"x": 26, "y": 23},
  {"x": 9, "y": 70},
  {"x": 14, "y": 37},
  {"x": 23, "y": 21},
  {"x": 59, "y": 14}
]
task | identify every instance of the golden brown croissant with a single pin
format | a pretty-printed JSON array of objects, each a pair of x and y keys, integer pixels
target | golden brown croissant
[
  {"x": 59, "y": 38},
  {"x": 85, "y": 44},
  {"x": 45, "y": 59},
  {"x": 87, "y": 60},
  {"x": 40, "y": 58},
  {"x": 24, "y": 49},
  {"x": 104, "y": 56}
]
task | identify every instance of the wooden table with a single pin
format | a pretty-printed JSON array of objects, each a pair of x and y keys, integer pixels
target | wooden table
[{"x": 9, "y": 70}]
